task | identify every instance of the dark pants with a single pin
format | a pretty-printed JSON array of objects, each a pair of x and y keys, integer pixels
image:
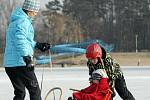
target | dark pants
[
  {"x": 121, "y": 88},
  {"x": 20, "y": 78}
]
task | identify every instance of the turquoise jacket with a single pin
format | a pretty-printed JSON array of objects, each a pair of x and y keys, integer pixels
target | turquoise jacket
[{"x": 19, "y": 39}]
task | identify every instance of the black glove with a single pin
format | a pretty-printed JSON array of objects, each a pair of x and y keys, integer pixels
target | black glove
[
  {"x": 28, "y": 61},
  {"x": 43, "y": 46},
  {"x": 71, "y": 98},
  {"x": 96, "y": 76},
  {"x": 90, "y": 79}
]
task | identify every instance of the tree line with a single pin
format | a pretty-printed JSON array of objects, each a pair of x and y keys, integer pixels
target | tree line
[
  {"x": 120, "y": 22},
  {"x": 124, "y": 23}
]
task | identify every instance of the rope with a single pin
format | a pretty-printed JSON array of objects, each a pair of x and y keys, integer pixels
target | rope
[
  {"x": 74, "y": 89},
  {"x": 108, "y": 95},
  {"x": 43, "y": 71},
  {"x": 42, "y": 79}
]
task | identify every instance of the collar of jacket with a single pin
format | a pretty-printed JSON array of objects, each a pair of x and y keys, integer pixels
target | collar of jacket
[{"x": 95, "y": 66}]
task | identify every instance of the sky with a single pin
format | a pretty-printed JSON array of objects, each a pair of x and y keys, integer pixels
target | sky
[
  {"x": 46, "y": 1},
  {"x": 43, "y": 2}
]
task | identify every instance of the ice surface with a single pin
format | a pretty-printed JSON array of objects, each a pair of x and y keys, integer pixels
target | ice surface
[{"x": 137, "y": 79}]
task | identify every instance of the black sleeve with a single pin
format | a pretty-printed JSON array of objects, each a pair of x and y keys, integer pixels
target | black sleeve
[{"x": 122, "y": 90}]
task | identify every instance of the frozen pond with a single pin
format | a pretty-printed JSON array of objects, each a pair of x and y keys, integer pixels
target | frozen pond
[{"x": 138, "y": 81}]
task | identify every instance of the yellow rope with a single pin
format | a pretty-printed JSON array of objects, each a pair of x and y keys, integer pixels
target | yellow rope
[{"x": 108, "y": 95}]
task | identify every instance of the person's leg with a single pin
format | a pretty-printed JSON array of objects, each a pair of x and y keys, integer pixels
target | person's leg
[
  {"x": 122, "y": 90},
  {"x": 32, "y": 85},
  {"x": 113, "y": 93},
  {"x": 14, "y": 75}
]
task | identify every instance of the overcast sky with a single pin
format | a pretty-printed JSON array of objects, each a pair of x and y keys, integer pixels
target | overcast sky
[{"x": 45, "y": 2}]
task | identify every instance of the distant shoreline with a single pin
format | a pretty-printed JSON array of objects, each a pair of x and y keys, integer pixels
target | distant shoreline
[{"x": 124, "y": 59}]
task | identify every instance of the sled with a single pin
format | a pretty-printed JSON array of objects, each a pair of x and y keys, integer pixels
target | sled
[
  {"x": 53, "y": 93},
  {"x": 54, "y": 96}
]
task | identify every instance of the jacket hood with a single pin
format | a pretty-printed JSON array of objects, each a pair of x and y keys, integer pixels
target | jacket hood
[{"x": 18, "y": 13}]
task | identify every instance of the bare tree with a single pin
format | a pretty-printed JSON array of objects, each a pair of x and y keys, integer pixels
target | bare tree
[
  {"x": 62, "y": 29},
  {"x": 6, "y": 6}
]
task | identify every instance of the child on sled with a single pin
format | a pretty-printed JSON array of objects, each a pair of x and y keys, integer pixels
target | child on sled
[{"x": 99, "y": 88}]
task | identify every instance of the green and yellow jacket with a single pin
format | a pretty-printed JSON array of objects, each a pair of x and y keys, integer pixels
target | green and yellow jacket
[{"x": 112, "y": 68}]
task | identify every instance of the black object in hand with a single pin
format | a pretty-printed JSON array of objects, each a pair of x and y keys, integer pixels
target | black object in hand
[
  {"x": 28, "y": 61},
  {"x": 43, "y": 46}
]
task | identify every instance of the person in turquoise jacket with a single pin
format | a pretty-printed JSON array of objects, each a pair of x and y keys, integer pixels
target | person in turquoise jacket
[{"x": 19, "y": 49}]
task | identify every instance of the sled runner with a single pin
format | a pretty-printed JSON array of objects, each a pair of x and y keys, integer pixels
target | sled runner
[{"x": 54, "y": 94}]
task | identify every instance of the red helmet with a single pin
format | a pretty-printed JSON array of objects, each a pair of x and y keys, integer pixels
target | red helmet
[{"x": 93, "y": 51}]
